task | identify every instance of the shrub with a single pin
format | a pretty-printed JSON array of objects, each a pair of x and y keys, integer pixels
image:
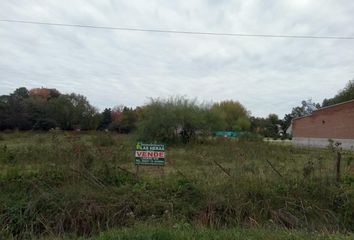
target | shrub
[
  {"x": 45, "y": 124},
  {"x": 248, "y": 136},
  {"x": 174, "y": 119},
  {"x": 104, "y": 140}
]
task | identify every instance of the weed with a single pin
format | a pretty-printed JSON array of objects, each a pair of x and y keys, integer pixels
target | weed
[
  {"x": 81, "y": 184},
  {"x": 103, "y": 140}
]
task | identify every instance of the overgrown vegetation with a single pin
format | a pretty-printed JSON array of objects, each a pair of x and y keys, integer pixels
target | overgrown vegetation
[
  {"x": 43, "y": 109},
  {"x": 80, "y": 184},
  {"x": 180, "y": 119},
  {"x": 346, "y": 94},
  {"x": 175, "y": 119},
  {"x": 184, "y": 231}
]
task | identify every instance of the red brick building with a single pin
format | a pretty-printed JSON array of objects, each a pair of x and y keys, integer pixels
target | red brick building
[
  {"x": 334, "y": 122},
  {"x": 43, "y": 92}
]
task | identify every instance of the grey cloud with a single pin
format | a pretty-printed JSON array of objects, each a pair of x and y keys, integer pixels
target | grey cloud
[{"x": 117, "y": 67}]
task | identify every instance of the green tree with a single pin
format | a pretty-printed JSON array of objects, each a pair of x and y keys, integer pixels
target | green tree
[
  {"x": 258, "y": 125},
  {"x": 62, "y": 111},
  {"x": 174, "y": 119},
  {"x": 125, "y": 122},
  {"x": 272, "y": 127},
  {"x": 45, "y": 124},
  {"x": 25, "y": 110},
  {"x": 14, "y": 112},
  {"x": 85, "y": 116},
  {"x": 73, "y": 112},
  {"x": 21, "y": 92},
  {"x": 4, "y": 112},
  {"x": 233, "y": 115},
  {"x": 106, "y": 119},
  {"x": 286, "y": 122},
  {"x": 307, "y": 107},
  {"x": 343, "y": 95},
  {"x": 267, "y": 127}
]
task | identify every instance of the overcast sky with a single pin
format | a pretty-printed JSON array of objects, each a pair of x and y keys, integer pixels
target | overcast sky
[{"x": 126, "y": 68}]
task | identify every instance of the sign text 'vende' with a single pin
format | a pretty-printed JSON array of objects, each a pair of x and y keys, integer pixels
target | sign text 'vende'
[{"x": 150, "y": 154}]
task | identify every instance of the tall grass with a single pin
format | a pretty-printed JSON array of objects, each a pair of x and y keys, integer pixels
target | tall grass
[
  {"x": 84, "y": 183},
  {"x": 187, "y": 233}
]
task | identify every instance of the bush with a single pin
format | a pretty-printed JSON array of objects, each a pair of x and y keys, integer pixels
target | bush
[
  {"x": 171, "y": 120},
  {"x": 248, "y": 136},
  {"x": 104, "y": 140},
  {"x": 45, "y": 124}
]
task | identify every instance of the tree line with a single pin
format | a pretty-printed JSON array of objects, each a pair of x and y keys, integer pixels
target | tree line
[
  {"x": 44, "y": 109},
  {"x": 274, "y": 127},
  {"x": 164, "y": 119},
  {"x": 172, "y": 119}
]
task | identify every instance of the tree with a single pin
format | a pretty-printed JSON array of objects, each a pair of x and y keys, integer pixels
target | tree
[
  {"x": 21, "y": 92},
  {"x": 61, "y": 110},
  {"x": 343, "y": 95},
  {"x": 84, "y": 115},
  {"x": 307, "y": 107},
  {"x": 13, "y": 111},
  {"x": 73, "y": 111},
  {"x": 258, "y": 125},
  {"x": 4, "y": 112},
  {"x": 117, "y": 112},
  {"x": 106, "y": 119},
  {"x": 233, "y": 116},
  {"x": 125, "y": 121},
  {"x": 45, "y": 124},
  {"x": 272, "y": 127},
  {"x": 173, "y": 119},
  {"x": 267, "y": 127},
  {"x": 43, "y": 108},
  {"x": 286, "y": 122}
]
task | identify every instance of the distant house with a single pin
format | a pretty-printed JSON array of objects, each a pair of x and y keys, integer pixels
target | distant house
[
  {"x": 335, "y": 122},
  {"x": 40, "y": 92},
  {"x": 43, "y": 92}
]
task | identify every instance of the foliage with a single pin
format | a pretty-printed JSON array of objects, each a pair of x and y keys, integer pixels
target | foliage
[
  {"x": 45, "y": 124},
  {"x": 233, "y": 116},
  {"x": 125, "y": 120},
  {"x": 343, "y": 95},
  {"x": 103, "y": 140},
  {"x": 21, "y": 92},
  {"x": 185, "y": 231},
  {"x": 181, "y": 119},
  {"x": 106, "y": 119},
  {"x": 46, "y": 108},
  {"x": 250, "y": 137},
  {"x": 13, "y": 112},
  {"x": 306, "y": 108},
  {"x": 84, "y": 183},
  {"x": 267, "y": 127},
  {"x": 171, "y": 120}
]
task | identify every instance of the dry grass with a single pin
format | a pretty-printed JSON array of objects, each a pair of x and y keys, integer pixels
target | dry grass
[{"x": 63, "y": 183}]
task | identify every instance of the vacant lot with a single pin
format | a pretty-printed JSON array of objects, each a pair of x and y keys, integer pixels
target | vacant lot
[{"x": 81, "y": 184}]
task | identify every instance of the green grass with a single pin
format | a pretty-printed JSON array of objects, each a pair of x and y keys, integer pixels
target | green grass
[
  {"x": 212, "y": 234},
  {"x": 83, "y": 183}
]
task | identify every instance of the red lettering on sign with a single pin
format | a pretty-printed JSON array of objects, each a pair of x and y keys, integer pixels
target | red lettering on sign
[{"x": 150, "y": 154}]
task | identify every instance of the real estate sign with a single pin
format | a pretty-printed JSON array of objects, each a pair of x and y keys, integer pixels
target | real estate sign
[{"x": 150, "y": 154}]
